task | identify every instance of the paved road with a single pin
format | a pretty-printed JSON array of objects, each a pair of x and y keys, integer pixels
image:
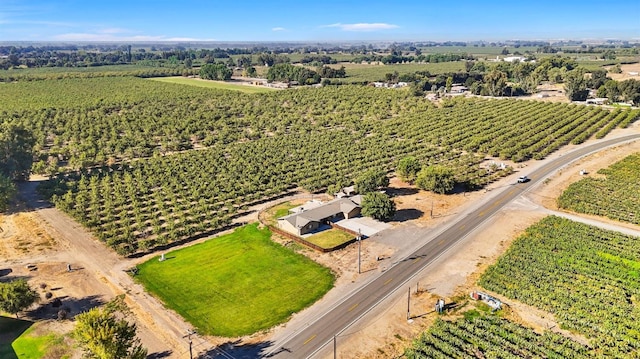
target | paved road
[{"x": 318, "y": 335}]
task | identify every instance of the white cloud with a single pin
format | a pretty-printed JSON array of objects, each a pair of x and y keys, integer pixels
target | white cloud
[
  {"x": 363, "y": 26},
  {"x": 186, "y": 39},
  {"x": 37, "y": 22},
  {"x": 278, "y": 29},
  {"x": 114, "y": 30}
]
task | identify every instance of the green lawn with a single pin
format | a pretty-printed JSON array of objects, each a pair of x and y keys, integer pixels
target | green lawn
[
  {"x": 236, "y": 284},
  {"x": 19, "y": 341},
  {"x": 10, "y": 330},
  {"x": 31, "y": 346},
  {"x": 330, "y": 238},
  {"x": 213, "y": 84}
]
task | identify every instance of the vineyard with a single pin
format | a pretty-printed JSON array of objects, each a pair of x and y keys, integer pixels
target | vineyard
[
  {"x": 144, "y": 163},
  {"x": 585, "y": 276},
  {"x": 617, "y": 196},
  {"x": 487, "y": 336}
]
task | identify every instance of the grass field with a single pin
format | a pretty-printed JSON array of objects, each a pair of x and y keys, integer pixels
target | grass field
[
  {"x": 236, "y": 284},
  {"x": 368, "y": 73},
  {"x": 330, "y": 238},
  {"x": 10, "y": 330},
  {"x": 213, "y": 84},
  {"x": 32, "y": 346},
  {"x": 18, "y": 340}
]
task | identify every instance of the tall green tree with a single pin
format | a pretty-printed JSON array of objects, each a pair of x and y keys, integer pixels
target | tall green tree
[
  {"x": 217, "y": 71},
  {"x": 378, "y": 206},
  {"x": 16, "y": 151},
  {"x": 16, "y": 295},
  {"x": 408, "y": 168},
  {"x": 598, "y": 78},
  {"x": 104, "y": 333},
  {"x": 436, "y": 178},
  {"x": 630, "y": 91},
  {"x": 371, "y": 180},
  {"x": 495, "y": 82},
  {"x": 7, "y": 191},
  {"x": 575, "y": 86},
  {"x": 611, "y": 91}
]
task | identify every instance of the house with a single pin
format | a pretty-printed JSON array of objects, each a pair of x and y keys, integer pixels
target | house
[
  {"x": 458, "y": 88},
  {"x": 514, "y": 58},
  {"x": 310, "y": 216}
]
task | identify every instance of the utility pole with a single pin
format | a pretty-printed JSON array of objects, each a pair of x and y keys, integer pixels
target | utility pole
[
  {"x": 409, "y": 304},
  {"x": 190, "y": 332},
  {"x": 359, "y": 249},
  {"x": 431, "y": 214},
  {"x": 334, "y": 348}
]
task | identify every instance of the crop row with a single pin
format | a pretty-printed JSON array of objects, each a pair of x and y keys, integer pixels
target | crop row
[
  {"x": 617, "y": 196},
  {"x": 587, "y": 277},
  {"x": 488, "y": 336},
  {"x": 91, "y": 122},
  {"x": 151, "y": 202},
  {"x": 157, "y": 169}
]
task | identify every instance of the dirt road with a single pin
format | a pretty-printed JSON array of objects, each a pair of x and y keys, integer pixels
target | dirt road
[{"x": 159, "y": 329}]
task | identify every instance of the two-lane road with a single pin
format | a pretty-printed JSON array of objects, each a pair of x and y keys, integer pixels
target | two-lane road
[{"x": 315, "y": 337}]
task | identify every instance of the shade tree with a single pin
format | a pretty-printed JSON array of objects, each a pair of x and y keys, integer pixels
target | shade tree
[
  {"x": 16, "y": 296},
  {"x": 436, "y": 178},
  {"x": 379, "y": 206}
]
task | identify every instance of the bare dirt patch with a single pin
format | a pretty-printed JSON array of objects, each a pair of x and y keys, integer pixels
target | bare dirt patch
[
  {"x": 627, "y": 72},
  {"x": 423, "y": 207},
  {"x": 548, "y": 93},
  {"x": 21, "y": 235},
  {"x": 28, "y": 240}
]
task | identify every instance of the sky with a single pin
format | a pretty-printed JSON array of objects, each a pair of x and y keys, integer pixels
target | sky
[{"x": 328, "y": 20}]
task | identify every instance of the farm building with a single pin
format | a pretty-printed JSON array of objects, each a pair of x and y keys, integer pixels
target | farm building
[
  {"x": 310, "y": 216},
  {"x": 597, "y": 101},
  {"x": 458, "y": 88},
  {"x": 514, "y": 58}
]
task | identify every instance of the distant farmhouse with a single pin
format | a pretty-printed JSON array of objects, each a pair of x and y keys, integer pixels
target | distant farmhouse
[
  {"x": 514, "y": 58},
  {"x": 310, "y": 216}
]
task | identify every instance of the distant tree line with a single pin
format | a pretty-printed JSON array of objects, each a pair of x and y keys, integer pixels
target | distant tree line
[
  {"x": 521, "y": 78},
  {"x": 319, "y": 59},
  {"x": 396, "y": 57},
  {"x": 290, "y": 73}
]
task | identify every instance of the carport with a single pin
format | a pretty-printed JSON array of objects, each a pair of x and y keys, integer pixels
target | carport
[{"x": 367, "y": 226}]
